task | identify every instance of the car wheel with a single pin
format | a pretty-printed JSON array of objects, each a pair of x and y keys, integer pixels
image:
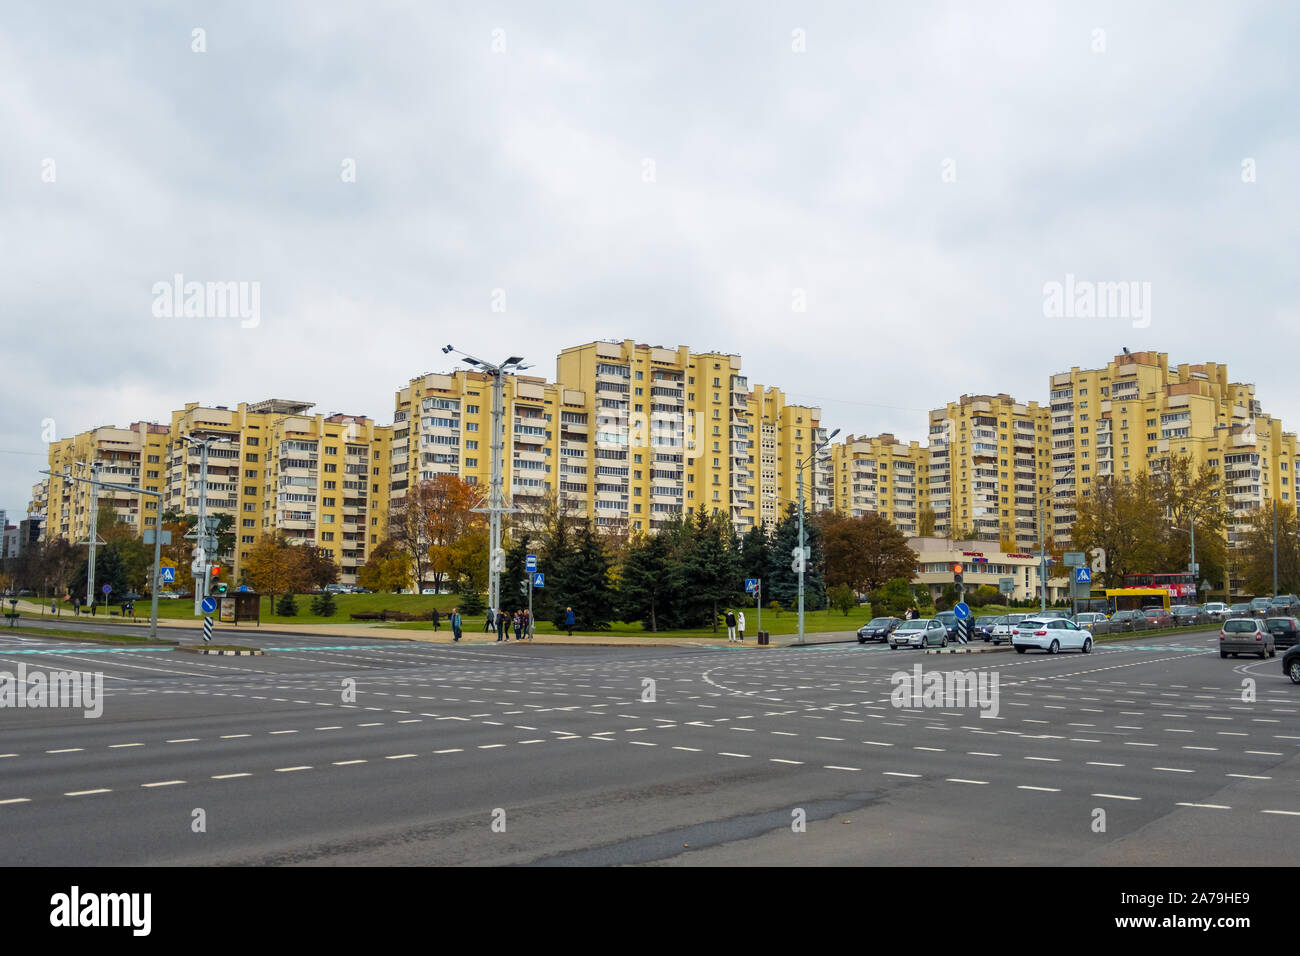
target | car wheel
[
  {"x": 1294, "y": 671},
  {"x": 1054, "y": 647},
  {"x": 1020, "y": 650},
  {"x": 1263, "y": 654},
  {"x": 1272, "y": 651},
  {"x": 944, "y": 642},
  {"x": 862, "y": 640},
  {"x": 1087, "y": 645}
]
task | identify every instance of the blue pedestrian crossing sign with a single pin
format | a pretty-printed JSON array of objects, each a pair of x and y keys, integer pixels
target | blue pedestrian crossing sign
[
  {"x": 962, "y": 610},
  {"x": 751, "y": 585},
  {"x": 539, "y": 580},
  {"x": 1082, "y": 576},
  {"x": 530, "y": 563},
  {"x": 168, "y": 575}
]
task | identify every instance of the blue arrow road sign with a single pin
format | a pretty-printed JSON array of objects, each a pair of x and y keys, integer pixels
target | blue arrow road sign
[
  {"x": 539, "y": 580},
  {"x": 530, "y": 563},
  {"x": 168, "y": 575},
  {"x": 1082, "y": 576},
  {"x": 962, "y": 610},
  {"x": 209, "y": 605}
]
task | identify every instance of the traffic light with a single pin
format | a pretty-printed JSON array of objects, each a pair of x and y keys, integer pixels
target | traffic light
[
  {"x": 218, "y": 586},
  {"x": 956, "y": 574}
]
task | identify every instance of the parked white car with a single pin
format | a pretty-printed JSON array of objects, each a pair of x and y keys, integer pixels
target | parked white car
[
  {"x": 922, "y": 632},
  {"x": 1050, "y": 634},
  {"x": 1001, "y": 630}
]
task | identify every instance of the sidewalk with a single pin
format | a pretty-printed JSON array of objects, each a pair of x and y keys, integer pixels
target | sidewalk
[{"x": 231, "y": 632}]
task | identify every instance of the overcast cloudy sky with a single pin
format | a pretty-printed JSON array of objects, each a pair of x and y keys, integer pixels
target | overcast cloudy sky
[{"x": 675, "y": 173}]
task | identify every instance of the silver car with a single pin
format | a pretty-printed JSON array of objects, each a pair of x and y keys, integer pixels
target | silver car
[{"x": 922, "y": 632}]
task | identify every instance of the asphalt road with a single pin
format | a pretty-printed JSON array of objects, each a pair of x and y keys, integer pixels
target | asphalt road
[{"x": 557, "y": 746}]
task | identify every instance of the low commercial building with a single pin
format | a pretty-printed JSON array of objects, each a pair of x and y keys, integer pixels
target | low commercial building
[{"x": 981, "y": 567}]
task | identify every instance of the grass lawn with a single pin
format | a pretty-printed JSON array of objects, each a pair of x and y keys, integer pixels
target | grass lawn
[
  {"x": 183, "y": 608},
  {"x": 83, "y": 635}
]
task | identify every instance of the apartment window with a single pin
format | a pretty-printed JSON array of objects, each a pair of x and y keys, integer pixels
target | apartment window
[
  {"x": 331, "y": 467},
  {"x": 250, "y": 506},
  {"x": 250, "y": 473},
  {"x": 246, "y": 539},
  {"x": 471, "y": 462},
  {"x": 153, "y": 459},
  {"x": 251, "y": 441},
  {"x": 330, "y": 485},
  {"x": 249, "y": 523},
  {"x": 249, "y": 491},
  {"x": 250, "y": 457},
  {"x": 327, "y": 502},
  {"x": 327, "y": 519},
  {"x": 374, "y": 522},
  {"x": 471, "y": 426}
]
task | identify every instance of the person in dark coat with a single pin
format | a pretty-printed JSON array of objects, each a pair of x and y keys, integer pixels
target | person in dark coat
[
  {"x": 434, "y": 617},
  {"x": 501, "y": 626},
  {"x": 454, "y": 621},
  {"x": 568, "y": 620},
  {"x": 490, "y": 622}
]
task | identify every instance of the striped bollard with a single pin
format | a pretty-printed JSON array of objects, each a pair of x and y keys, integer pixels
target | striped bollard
[{"x": 207, "y": 630}]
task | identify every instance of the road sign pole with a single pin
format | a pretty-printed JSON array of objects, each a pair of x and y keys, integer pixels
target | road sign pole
[
  {"x": 759, "y": 593},
  {"x": 157, "y": 559}
]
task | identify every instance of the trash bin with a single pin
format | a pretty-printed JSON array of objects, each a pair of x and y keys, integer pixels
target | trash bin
[{"x": 762, "y": 638}]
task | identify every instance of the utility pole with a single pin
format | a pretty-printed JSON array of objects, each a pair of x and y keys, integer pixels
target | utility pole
[
  {"x": 800, "y": 564},
  {"x": 1274, "y": 547},
  {"x": 93, "y": 537},
  {"x": 496, "y": 494},
  {"x": 157, "y": 541},
  {"x": 1042, "y": 557},
  {"x": 205, "y": 560}
]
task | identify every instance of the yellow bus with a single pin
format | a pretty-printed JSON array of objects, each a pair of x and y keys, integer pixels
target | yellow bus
[{"x": 1129, "y": 599}]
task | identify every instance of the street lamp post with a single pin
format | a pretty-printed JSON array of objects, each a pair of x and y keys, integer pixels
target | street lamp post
[
  {"x": 1042, "y": 551},
  {"x": 801, "y": 560},
  {"x": 201, "y": 529},
  {"x": 496, "y": 495}
]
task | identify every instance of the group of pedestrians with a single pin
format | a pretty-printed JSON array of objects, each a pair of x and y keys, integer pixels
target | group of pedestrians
[
  {"x": 521, "y": 622},
  {"x": 735, "y": 626}
]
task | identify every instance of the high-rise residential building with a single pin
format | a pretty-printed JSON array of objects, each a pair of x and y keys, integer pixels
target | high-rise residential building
[
  {"x": 324, "y": 482},
  {"x": 782, "y": 436},
  {"x": 988, "y": 457},
  {"x": 442, "y": 425},
  {"x": 669, "y": 431},
  {"x": 1137, "y": 413},
  {"x": 124, "y": 456},
  {"x": 880, "y": 475}
]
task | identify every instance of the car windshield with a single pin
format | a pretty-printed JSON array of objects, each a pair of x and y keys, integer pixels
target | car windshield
[
  {"x": 1279, "y": 623},
  {"x": 878, "y": 622},
  {"x": 1238, "y": 627},
  {"x": 917, "y": 625}
]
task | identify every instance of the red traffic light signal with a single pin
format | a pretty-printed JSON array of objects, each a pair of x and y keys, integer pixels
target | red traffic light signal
[
  {"x": 956, "y": 569},
  {"x": 215, "y": 570}
]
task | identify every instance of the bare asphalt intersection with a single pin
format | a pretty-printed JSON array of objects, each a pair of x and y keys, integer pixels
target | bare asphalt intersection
[{"x": 557, "y": 746}]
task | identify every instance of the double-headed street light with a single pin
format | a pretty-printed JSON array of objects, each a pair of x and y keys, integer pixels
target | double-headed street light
[
  {"x": 202, "y": 536},
  {"x": 801, "y": 552},
  {"x": 496, "y": 498}
]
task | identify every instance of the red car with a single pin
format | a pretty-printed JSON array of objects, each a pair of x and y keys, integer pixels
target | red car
[{"x": 1159, "y": 617}]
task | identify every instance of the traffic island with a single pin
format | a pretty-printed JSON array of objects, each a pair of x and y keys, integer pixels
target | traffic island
[{"x": 221, "y": 650}]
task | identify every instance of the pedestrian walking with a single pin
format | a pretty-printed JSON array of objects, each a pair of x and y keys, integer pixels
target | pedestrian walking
[
  {"x": 501, "y": 626},
  {"x": 54, "y": 606},
  {"x": 740, "y": 626},
  {"x": 519, "y": 625},
  {"x": 490, "y": 622},
  {"x": 454, "y": 621},
  {"x": 528, "y": 625},
  {"x": 434, "y": 617},
  {"x": 568, "y": 620},
  {"x": 731, "y": 626}
]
